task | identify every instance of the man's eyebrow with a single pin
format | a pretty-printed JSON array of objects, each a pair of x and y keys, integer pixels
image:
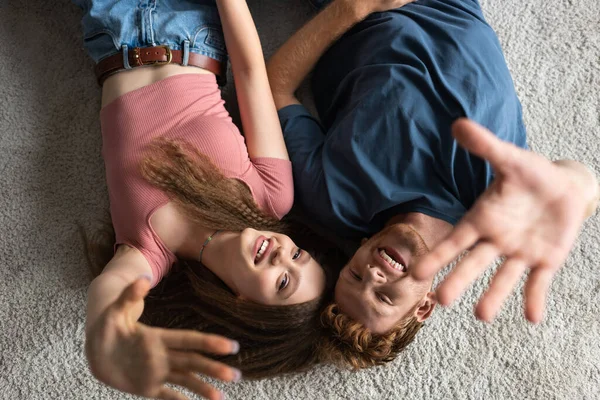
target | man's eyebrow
[{"x": 348, "y": 276}]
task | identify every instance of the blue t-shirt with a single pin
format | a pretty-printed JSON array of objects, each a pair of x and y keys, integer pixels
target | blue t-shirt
[{"x": 387, "y": 93}]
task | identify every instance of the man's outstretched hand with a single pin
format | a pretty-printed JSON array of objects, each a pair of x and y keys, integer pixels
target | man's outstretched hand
[{"x": 530, "y": 214}]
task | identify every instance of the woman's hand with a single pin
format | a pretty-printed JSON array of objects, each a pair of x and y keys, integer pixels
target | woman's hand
[
  {"x": 531, "y": 215},
  {"x": 138, "y": 359}
]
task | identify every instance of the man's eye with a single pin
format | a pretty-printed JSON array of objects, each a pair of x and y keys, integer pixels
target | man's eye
[
  {"x": 356, "y": 276},
  {"x": 284, "y": 282},
  {"x": 297, "y": 254},
  {"x": 384, "y": 299}
]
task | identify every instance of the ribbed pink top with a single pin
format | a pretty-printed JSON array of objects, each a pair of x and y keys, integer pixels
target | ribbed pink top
[{"x": 187, "y": 107}]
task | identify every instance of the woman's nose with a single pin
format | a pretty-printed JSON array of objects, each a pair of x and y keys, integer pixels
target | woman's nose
[{"x": 278, "y": 255}]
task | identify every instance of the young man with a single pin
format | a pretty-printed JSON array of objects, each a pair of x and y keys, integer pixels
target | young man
[{"x": 392, "y": 94}]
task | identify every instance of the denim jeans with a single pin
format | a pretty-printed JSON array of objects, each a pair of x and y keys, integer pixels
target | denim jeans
[{"x": 113, "y": 26}]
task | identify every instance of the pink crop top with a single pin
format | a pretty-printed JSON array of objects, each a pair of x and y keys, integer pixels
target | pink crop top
[{"x": 187, "y": 107}]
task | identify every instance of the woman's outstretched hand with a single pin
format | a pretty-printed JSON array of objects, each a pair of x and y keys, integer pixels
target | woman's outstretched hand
[
  {"x": 139, "y": 359},
  {"x": 531, "y": 214}
]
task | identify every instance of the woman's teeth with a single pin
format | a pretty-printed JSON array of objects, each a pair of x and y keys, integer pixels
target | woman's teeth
[
  {"x": 395, "y": 264},
  {"x": 262, "y": 249}
]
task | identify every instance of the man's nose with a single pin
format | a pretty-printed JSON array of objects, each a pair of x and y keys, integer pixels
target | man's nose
[{"x": 374, "y": 274}]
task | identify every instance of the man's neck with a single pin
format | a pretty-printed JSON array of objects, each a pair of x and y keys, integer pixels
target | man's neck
[{"x": 432, "y": 230}]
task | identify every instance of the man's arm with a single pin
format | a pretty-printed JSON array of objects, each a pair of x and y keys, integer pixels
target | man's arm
[{"x": 298, "y": 56}]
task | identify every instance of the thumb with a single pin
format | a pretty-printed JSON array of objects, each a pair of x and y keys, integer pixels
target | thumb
[
  {"x": 483, "y": 143},
  {"x": 133, "y": 293}
]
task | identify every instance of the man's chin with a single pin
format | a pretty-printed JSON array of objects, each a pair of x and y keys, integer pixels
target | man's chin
[{"x": 407, "y": 236}]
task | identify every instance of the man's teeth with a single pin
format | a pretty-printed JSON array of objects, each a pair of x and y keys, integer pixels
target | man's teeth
[
  {"x": 390, "y": 260},
  {"x": 262, "y": 249}
]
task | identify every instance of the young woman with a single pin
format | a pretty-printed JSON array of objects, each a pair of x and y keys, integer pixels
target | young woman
[{"x": 183, "y": 185}]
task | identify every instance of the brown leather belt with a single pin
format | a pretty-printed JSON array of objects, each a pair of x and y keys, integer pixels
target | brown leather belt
[{"x": 157, "y": 55}]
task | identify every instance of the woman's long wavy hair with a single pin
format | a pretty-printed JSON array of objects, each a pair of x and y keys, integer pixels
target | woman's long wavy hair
[{"x": 273, "y": 339}]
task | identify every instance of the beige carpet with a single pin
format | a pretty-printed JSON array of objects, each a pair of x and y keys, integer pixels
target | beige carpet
[{"x": 51, "y": 178}]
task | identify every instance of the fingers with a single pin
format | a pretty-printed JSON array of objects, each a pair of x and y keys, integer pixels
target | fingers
[
  {"x": 191, "y": 340},
  {"x": 133, "y": 293},
  {"x": 467, "y": 270},
  {"x": 460, "y": 239},
  {"x": 483, "y": 143},
  {"x": 187, "y": 361},
  {"x": 503, "y": 283},
  {"x": 170, "y": 394},
  {"x": 536, "y": 290},
  {"x": 195, "y": 384}
]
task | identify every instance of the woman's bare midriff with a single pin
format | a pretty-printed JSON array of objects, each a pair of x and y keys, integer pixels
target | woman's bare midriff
[{"x": 126, "y": 81}]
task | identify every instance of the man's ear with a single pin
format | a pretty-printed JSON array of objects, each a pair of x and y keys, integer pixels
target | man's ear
[
  {"x": 426, "y": 307},
  {"x": 363, "y": 241}
]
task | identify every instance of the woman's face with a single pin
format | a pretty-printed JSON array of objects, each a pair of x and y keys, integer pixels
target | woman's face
[{"x": 268, "y": 268}]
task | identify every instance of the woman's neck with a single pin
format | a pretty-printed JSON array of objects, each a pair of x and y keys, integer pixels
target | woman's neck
[
  {"x": 195, "y": 241},
  {"x": 208, "y": 246},
  {"x": 180, "y": 234}
]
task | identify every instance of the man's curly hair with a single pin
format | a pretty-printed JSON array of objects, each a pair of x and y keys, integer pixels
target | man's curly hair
[{"x": 349, "y": 344}]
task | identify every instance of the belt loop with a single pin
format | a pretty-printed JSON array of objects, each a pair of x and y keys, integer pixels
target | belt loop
[
  {"x": 186, "y": 52},
  {"x": 125, "y": 57}
]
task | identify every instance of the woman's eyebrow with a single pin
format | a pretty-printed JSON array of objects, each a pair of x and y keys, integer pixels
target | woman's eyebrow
[{"x": 305, "y": 258}]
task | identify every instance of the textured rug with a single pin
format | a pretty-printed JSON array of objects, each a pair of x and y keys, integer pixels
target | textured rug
[{"x": 51, "y": 180}]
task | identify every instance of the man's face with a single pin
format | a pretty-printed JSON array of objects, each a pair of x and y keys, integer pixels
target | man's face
[{"x": 375, "y": 287}]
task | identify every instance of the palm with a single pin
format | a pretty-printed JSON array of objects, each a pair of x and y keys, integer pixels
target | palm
[
  {"x": 527, "y": 215},
  {"x": 530, "y": 214},
  {"x": 138, "y": 359}
]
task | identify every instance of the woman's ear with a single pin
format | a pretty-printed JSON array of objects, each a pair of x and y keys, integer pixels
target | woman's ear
[
  {"x": 363, "y": 241},
  {"x": 426, "y": 307}
]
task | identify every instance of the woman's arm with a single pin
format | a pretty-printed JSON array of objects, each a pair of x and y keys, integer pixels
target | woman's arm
[
  {"x": 126, "y": 267},
  {"x": 139, "y": 359},
  {"x": 257, "y": 109},
  {"x": 298, "y": 56}
]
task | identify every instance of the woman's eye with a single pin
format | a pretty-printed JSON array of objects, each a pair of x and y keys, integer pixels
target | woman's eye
[
  {"x": 284, "y": 282},
  {"x": 297, "y": 254}
]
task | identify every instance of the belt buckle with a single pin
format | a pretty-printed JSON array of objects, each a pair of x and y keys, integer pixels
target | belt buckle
[{"x": 169, "y": 57}]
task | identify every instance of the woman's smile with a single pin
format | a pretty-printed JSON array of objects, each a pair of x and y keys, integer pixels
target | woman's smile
[{"x": 262, "y": 249}]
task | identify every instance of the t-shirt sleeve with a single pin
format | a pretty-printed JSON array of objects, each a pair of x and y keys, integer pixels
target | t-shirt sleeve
[
  {"x": 304, "y": 137},
  {"x": 303, "y": 134},
  {"x": 276, "y": 176}
]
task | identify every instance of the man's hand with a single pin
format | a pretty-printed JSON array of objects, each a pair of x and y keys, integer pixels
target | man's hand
[
  {"x": 531, "y": 215},
  {"x": 372, "y": 6},
  {"x": 138, "y": 359}
]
